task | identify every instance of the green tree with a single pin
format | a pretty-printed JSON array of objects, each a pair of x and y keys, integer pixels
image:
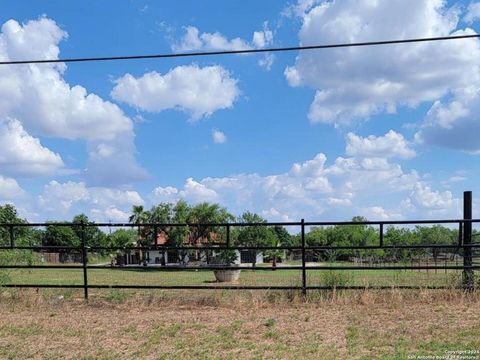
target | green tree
[
  {"x": 435, "y": 235},
  {"x": 255, "y": 235},
  {"x": 283, "y": 236},
  {"x": 22, "y": 234},
  {"x": 140, "y": 216},
  {"x": 206, "y": 214},
  {"x": 56, "y": 235},
  {"x": 94, "y": 237},
  {"x": 122, "y": 238}
]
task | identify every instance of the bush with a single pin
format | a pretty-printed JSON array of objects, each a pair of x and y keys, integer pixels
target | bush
[
  {"x": 335, "y": 278},
  {"x": 14, "y": 257}
]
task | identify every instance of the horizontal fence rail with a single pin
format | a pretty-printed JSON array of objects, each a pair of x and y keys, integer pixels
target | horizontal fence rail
[{"x": 463, "y": 244}]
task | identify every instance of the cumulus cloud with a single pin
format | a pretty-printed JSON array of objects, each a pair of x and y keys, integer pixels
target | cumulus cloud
[
  {"x": 22, "y": 154},
  {"x": 194, "y": 40},
  {"x": 392, "y": 144},
  {"x": 196, "y": 192},
  {"x": 9, "y": 189},
  {"x": 361, "y": 183},
  {"x": 435, "y": 202},
  {"x": 65, "y": 200},
  {"x": 190, "y": 88},
  {"x": 454, "y": 123},
  {"x": 218, "y": 136},
  {"x": 473, "y": 12},
  {"x": 354, "y": 83},
  {"x": 40, "y": 97},
  {"x": 312, "y": 188},
  {"x": 44, "y": 104},
  {"x": 379, "y": 213},
  {"x": 113, "y": 162}
]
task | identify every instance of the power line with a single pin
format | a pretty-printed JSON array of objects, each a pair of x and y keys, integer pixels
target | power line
[{"x": 233, "y": 52}]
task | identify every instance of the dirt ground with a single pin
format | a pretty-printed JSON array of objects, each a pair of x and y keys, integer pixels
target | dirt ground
[{"x": 360, "y": 325}]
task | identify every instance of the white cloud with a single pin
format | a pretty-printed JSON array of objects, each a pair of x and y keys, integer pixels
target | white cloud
[
  {"x": 379, "y": 213},
  {"x": 218, "y": 136},
  {"x": 274, "y": 215},
  {"x": 392, "y": 144},
  {"x": 267, "y": 61},
  {"x": 65, "y": 200},
  {"x": 115, "y": 215},
  {"x": 473, "y": 12},
  {"x": 194, "y": 40},
  {"x": 190, "y": 88},
  {"x": 314, "y": 189},
  {"x": 164, "y": 194},
  {"x": 38, "y": 96},
  {"x": 435, "y": 202},
  {"x": 454, "y": 124},
  {"x": 112, "y": 163},
  {"x": 311, "y": 189},
  {"x": 196, "y": 192},
  {"x": 9, "y": 189},
  {"x": 22, "y": 154},
  {"x": 300, "y": 8},
  {"x": 308, "y": 189},
  {"x": 263, "y": 38},
  {"x": 59, "y": 198},
  {"x": 354, "y": 83},
  {"x": 339, "y": 202}
]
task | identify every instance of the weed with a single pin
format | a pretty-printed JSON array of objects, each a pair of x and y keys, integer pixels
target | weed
[
  {"x": 270, "y": 322},
  {"x": 335, "y": 278},
  {"x": 117, "y": 296}
]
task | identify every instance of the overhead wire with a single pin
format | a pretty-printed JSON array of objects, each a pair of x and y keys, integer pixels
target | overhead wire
[{"x": 240, "y": 51}]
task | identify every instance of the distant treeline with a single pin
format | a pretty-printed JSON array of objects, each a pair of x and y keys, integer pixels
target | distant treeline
[{"x": 205, "y": 213}]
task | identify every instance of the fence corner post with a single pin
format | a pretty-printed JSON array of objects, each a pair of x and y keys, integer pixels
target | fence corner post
[
  {"x": 304, "y": 270},
  {"x": 468, "y": 280},
  {"x": 84, "y": 261}
]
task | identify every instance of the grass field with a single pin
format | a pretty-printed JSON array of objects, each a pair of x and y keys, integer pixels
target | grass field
[
  {"x": 222, "y": 324},
  {"x": 124, "y": 276},
  {"x": 389, "y": 324}
]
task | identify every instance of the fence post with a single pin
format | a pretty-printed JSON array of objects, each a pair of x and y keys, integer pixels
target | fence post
[
  {"x": 304, "y": 270},
  {"x": 12, "y": 236},
  {"x": 228, "y": 236},
  {"x": 84, "y": 258},
  {"x": 381, "y": 235},
  {"x": 155, "y": 235},
  {"x": 467, "y": 240},
  {"x": 460, "y": 233}
]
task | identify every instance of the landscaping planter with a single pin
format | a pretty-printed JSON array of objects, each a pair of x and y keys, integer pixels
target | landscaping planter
[{"x": 227, "y": 275}]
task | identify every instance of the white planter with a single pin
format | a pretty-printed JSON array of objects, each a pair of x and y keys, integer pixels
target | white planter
[{"x": 227, "y": 275}]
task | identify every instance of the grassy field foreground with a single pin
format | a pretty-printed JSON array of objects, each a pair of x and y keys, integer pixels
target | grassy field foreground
[{"x": 226, "y": 325}]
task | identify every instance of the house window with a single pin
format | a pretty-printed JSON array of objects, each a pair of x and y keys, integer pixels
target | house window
[{"x": 247, "y": 256}]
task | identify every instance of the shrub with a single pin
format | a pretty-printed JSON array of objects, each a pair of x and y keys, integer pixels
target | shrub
[{"x": 335, "y": 278}]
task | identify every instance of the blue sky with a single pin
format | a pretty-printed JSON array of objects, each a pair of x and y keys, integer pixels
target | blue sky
[{"x": 388, "y": 133}]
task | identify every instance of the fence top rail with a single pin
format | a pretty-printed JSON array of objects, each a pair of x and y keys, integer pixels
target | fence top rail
[
  {"x": 240, "y": 248},
  {"x": 238, "y": 224}
]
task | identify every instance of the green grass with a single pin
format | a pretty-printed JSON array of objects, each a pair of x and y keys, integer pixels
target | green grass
[{"x": 125, "y": 276}]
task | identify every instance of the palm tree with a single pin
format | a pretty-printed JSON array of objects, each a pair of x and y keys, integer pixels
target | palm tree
[{"x": 139, "y": 216}]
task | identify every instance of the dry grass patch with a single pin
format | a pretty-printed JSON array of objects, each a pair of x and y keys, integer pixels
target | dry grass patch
[{"x": 227, "y": 325}]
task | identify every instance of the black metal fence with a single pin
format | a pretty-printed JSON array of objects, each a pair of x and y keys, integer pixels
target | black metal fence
[
  {"x": 462, "y": 263},
  {"x": 308, "y": 262}
]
